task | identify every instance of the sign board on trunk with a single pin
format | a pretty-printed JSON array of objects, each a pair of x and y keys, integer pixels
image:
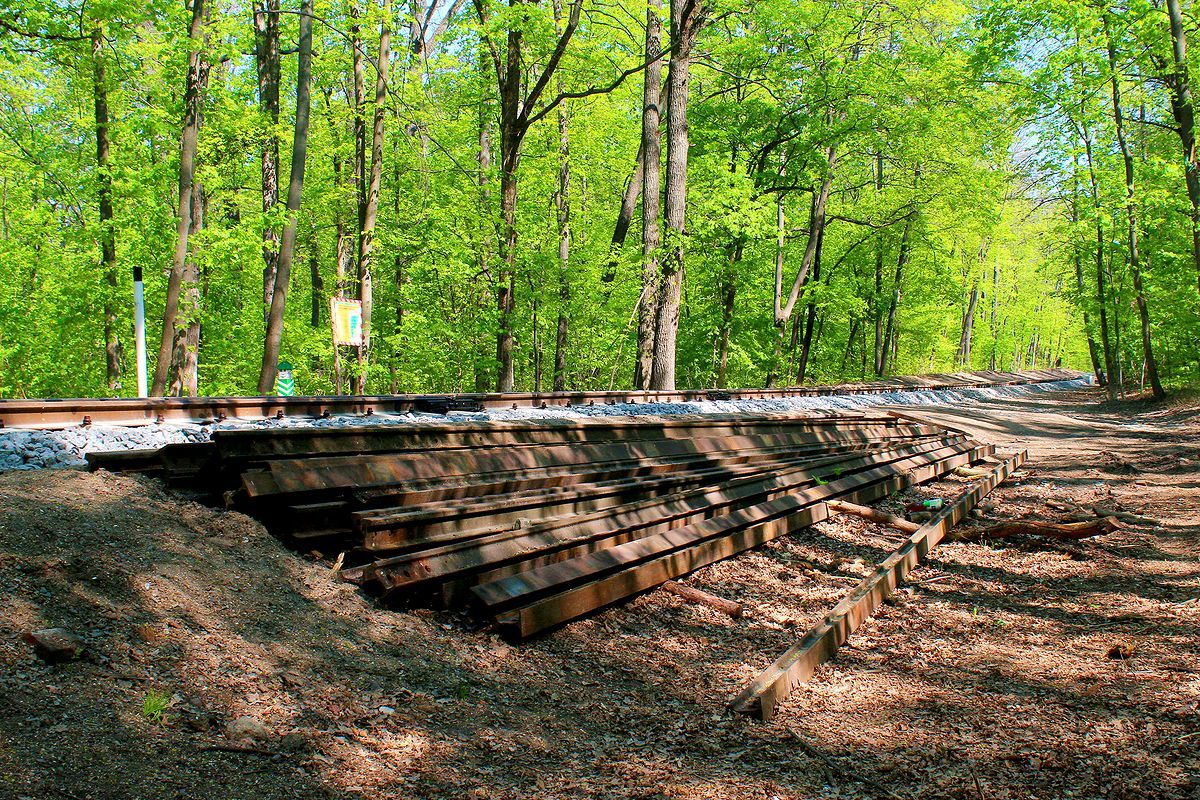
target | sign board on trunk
[{"x": 347, "y": 321}]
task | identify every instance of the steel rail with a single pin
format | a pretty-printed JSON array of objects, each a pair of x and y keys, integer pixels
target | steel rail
[
  {"x": 57, "y": 413},
  {"x": 555, "y": 594},
  {"x": 552, "y": 542},
  {"x": 796, "y": 665}
]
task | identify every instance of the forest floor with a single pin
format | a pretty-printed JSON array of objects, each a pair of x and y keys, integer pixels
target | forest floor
[{"x": 991, "y": 675}]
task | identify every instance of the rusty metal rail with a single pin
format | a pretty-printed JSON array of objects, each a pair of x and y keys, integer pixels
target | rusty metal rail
[
  {"x": 820, "y": 644},
  {"x": 49, "y": 413},
  {"x": 534, "y": 523}
]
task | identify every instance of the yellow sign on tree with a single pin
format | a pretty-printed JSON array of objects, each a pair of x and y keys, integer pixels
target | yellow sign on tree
[{"x": 347, "y": 321}]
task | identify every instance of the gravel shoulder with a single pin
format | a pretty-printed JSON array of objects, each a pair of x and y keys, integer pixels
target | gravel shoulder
[
  {"x": 67, "y": 448},
  {"x": 989, "y": 677}
]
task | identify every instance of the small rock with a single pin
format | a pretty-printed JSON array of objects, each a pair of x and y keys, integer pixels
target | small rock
[
  {"x": 386, "y": 710},
  {"x": 197, "y": 720},
  {"x": 55, "y": 645},
  {"x": 247, "y": 728},
  {"x": 292, "y": 743}
]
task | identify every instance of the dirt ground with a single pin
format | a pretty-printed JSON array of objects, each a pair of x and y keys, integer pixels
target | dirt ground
[{"x": 989, "y": 677}]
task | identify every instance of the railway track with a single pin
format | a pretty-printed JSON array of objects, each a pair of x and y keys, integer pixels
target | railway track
[{"x": 59, "y": 413}]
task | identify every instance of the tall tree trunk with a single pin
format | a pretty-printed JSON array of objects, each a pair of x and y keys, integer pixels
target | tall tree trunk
[
  {"x": 629, "y": 201},
  {"x": 651, "y": 149},
  {"x": 358, "y": 68},
  {"x": 779, "y": 320},
  {"x": 1183, "y": 109},
  {"x": 1151, "y": 365},
  {"x": 516, "y": 115},
  {"x": 197, "y": 77},
  {"x": 1110, "y": 365},
  {"x": 687, "y": 17},
  {"x": 728, "y": 290},
  {"x": 108, "y": 237},
  {"x": 370, "y": 212},
  {"x": 892, "y": 336},
  {"x": 287, "y": 248},
  {"x": 485, "y": 236},
  {"x": 962, "y": 357},
  {"x": 511, "y": 136},
  {"x": 314, "y": 274},
  {"x": 185, "y": 350},
  {"x": 359, "y": 132},
  {"x": 343, "y": 240},
  {"x": 562, "y": 206},
  {"x": 806, "y": 341},
  {"x": 1077, "y": 258},
  {"x": 506, "y": 287},
  {"x": 400, "y": 261},
  {"x": 877, "y": 297},
  {"x": 816, "y": 230},
  {"x": 266, "y": 52}
]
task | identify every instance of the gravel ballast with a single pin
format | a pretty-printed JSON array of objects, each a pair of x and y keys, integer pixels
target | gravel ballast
[{"x": 26, "y": 449}]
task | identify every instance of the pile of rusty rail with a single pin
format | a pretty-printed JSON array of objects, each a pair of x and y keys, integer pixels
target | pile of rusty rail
[
  {"x": 535, "y": 523},
  {"x": 42, "y": 413}
]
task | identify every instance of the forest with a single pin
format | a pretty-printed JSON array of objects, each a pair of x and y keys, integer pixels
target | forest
[{"x": 592, "y": 194}]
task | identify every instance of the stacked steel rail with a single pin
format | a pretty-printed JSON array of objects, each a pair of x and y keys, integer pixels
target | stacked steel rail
[
  {"x": 535, "y": 523},
  {"x": 126, "y": 411}
]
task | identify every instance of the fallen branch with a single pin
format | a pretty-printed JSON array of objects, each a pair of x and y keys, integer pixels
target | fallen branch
[
  {"x": 1123, "y": 516},
  {"x": 1052, "y": 530},
  {"x": 690, "y": 594},
  {"x": 874, "y": 515}
]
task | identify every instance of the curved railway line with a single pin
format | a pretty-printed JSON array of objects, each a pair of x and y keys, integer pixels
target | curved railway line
[{"x": 57, "y": 413}]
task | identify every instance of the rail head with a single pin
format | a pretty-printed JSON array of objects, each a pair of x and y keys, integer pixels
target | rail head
[{"x": 70, "y": 412}]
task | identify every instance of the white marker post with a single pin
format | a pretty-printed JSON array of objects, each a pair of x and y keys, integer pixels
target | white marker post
[{"x": 139, "y": 330}]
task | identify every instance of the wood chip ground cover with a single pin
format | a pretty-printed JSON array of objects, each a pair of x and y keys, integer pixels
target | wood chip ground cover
[{"x": 989, "y": 676}]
